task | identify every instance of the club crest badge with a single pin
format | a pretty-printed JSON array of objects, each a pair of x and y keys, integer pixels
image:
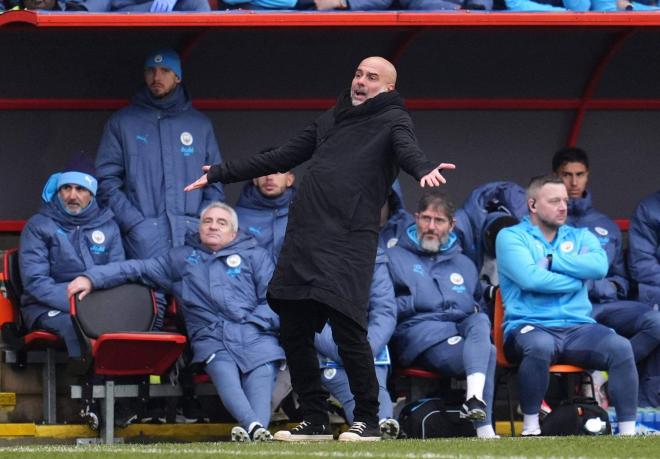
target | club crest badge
[
  {"x": 234, "y": 261},
  {"x": 566, "y": 246},
  {"x": 186, "y": 138},
  {"x": 456, "y": 279},
  {"x": 98, "y": 237}
]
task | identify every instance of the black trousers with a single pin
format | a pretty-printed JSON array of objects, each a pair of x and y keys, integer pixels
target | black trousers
[{"x": 299, "y": 321}]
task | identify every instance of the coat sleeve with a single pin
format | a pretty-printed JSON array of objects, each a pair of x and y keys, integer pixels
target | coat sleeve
[
  {"x": 405, "y": 304},
  {"x": 111, "y": 172},
  {"x": 159, "y": 272},
  {"x": 409, "y": 156},
  {"x": 262, "y": 269},
  {"x": 117, "y": 248},
  {"x": 515, "y": 261},
  {"x": 643, "y": 246},
  {"x": 590, "y": 262},
  {"x": 382, "y": 309},
  {"x": 294, "y": 152},
  {"x": 615, "y": 286},
  {"x": 34, "y": 265}
]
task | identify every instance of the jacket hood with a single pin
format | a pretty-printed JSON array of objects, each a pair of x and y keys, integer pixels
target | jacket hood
[
  {"x": 344, "y": 109},
  {"x": 410, "y": 242},
  {"x": 177, "y": 101},
  {"x": 243, "y": 241},
  {"x": 578, "y": 207},
  {"x": 92, "y": 215},
  {"x": 251, "y": 198},
  {"x": 395, "y": 199}
]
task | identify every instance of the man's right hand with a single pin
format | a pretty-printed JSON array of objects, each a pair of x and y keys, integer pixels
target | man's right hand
[
  {"x": 81, "y": 285},
  {"x": 200, "y": 182}
]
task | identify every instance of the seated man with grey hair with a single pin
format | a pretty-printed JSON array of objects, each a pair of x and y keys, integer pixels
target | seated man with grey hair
[{"x": 219, "y": 277}]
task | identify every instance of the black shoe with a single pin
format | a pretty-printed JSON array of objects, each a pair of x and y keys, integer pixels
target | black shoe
[
  {"x": 91, "y": 418},
  {"x": 473, "y": 409},
  {"x": 260, "y": 433},
  {"x": 305, "y": 431},
  {"x": 124, "y": 415},
  {"x": 361, "y": 431}
]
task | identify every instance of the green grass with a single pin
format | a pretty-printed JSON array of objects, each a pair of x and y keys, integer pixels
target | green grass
[{"x": 573, "y": 447}]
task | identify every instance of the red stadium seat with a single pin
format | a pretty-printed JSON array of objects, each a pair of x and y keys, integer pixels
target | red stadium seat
[
  {"x": 22, "y": 346},
  {"x": 114, "y": 326}
]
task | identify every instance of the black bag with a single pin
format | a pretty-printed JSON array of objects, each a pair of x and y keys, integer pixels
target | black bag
[
  {"x": 430, "y": 418},
  {"x": 580, "y": 416}
]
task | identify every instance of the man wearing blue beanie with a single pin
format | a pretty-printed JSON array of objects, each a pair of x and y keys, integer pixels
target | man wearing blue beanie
[
  {"x": 149, "y": 151},
  {"x": 68, "y": 236}
]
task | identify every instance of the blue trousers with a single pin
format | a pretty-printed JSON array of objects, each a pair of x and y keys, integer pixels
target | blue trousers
[
  {"x": 246, "y": 396},
  {"x": 62, "y": 326},
  {"x": 335, "y": 381},
  {"x": 592, "y": 346},
  {"x": 472, "y": 353},
  {"x": 638, "y": 322}
]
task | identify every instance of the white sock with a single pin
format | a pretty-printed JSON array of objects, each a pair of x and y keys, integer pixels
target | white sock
[
  {"x": 486, "y": 432},
  {"x": 626, "y": 427},
  {"x": 531, "y": 422},
  {"x": 253, "y": 425},
  {"x": 475, "y": 386}
]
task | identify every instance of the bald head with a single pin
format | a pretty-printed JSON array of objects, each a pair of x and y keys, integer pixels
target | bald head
[{"x": 373, "y": 76}]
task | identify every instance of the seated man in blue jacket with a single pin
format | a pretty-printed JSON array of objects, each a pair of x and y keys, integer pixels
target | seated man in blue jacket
[
  {"x": 545, "y": 267},
  {"x": 635, "y": 320},
  {"x": 440, "y": 326},
  {"x": 219, "y": 278},
  {"x": 644, "y": 265},
  {"x": 69, "y": 235},
  {"x": 381, "y": 323},
  {"x": 263, "y": 209}
]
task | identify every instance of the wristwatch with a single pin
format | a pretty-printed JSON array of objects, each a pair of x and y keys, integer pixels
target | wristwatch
[{"x": 343, "y": 5}]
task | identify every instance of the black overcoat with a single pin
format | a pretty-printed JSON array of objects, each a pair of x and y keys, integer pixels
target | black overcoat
[{"x": 330, "y": 243}]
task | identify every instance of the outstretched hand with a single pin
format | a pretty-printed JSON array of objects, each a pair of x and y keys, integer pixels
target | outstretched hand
[
  {"x": 81, "y": 285},
  {"x": 435, "y": 178},
  {"x": 200, "y": 182}
]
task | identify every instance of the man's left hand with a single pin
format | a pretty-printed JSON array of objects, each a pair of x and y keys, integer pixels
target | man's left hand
[{"x": 435, "y": 178}]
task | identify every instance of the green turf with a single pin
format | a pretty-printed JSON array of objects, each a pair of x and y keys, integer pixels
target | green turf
[{"x": 573, "y": 447}]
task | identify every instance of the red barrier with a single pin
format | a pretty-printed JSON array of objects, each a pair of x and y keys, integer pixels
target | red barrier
[{"x": 241, "y": 18}]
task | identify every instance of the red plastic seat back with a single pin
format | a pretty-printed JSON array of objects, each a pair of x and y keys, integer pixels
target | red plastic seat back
[{"x": 124, "y": 354}]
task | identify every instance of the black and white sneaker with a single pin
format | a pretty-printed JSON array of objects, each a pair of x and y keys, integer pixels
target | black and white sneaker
[
  {"x": 260, "y": 433},
  {"x": 361, "y": 431},
  {"x": 473, "y": 409},
  {"x": 389, "y": 429},
  {"x": 239, "y": 434},
  {"x": 305, "y": 431}
]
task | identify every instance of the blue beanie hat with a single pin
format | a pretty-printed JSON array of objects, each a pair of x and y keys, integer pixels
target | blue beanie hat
[
  {"x": 58, "y": 180},
  {"x": 166, "y": 58}
]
